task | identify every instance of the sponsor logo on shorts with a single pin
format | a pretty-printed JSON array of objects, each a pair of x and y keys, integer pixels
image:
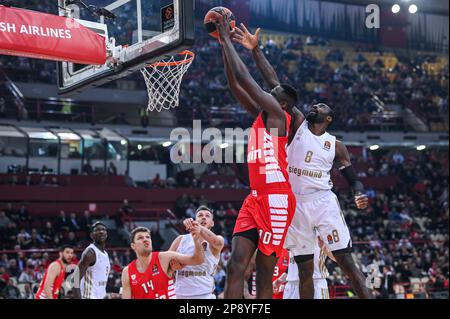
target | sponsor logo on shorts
[{"x": 330, "y": 239}]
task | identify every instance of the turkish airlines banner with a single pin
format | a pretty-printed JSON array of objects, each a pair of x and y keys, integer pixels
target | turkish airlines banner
[{"x": 46, "y": 36}]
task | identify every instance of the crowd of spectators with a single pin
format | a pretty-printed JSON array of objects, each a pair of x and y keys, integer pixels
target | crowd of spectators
[
  {"x": 404, "y": 232},
  {"x": 355, "y": 90}
]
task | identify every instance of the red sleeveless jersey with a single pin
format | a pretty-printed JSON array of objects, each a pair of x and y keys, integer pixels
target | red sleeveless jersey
[
  {"x": 40, "y": 294},
  {"x": 267, "y": 157},
  {"x": 280, "y": 268},
  {"x": 151, "y": 284}
]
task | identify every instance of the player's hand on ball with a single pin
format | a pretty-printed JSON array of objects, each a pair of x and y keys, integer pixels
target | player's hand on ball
[
  {"x": 188, "y": 223},
  {"x": 245, "y": 38},
  {"x": 362, "y": 201},
  {"x": 195, "y": 230},
  {"x": 223, "y": 26}
]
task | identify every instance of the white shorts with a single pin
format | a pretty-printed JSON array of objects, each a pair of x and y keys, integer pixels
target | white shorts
[
  {"x": 317, "y": 215},
  {"x": 291, "y": 290},
  {"x": 206, "y": 296}
]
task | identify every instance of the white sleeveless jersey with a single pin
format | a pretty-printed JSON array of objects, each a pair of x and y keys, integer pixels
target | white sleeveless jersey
[
  {"x": 310, "y": 160},
  {"x": 320, "y": 269},
  {"x": 93, "y": 284},
  {"x": 195, "y": 280}
]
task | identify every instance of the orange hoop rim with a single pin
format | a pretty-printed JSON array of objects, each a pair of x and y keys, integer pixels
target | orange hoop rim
[{"x": 174, "y": 63}]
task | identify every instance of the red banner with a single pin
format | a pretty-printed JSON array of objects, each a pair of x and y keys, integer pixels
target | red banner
[{"x": 46, "y": 36}]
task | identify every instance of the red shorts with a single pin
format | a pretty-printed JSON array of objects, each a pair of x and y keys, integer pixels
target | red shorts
[{"x": 271, "y": 214}]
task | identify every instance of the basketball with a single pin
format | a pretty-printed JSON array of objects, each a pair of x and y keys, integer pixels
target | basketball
[{"x": 209, "y": 20}]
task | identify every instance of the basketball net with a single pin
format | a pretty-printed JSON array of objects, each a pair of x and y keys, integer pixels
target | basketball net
[{"x": 163, "y": 80}]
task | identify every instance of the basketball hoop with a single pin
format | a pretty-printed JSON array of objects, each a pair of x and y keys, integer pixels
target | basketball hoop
[{"x": 163, "y": 80}]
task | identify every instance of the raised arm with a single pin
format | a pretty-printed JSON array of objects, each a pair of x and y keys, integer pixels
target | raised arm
[
  {"x": 266, "y": 101},
  {"x": 251, "y": 42},
  {"x": 342, "y": 159},
  {"x": 87, "y": 259},
  {"x": 243, "y": 98},
  {"x": 216, "y": 241}
]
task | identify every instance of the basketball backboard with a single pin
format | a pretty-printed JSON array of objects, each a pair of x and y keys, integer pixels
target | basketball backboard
[{"x": 137, "y": 32}]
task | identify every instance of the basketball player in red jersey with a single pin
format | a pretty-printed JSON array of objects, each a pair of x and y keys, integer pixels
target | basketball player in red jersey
[
  {"x": 55, "y": 274},
  {"x": 150, "y": 275},
  {"x": 267, "y": 212},
  {"x": 280, "y": 268},
  {"x": 317, "y": 121}
]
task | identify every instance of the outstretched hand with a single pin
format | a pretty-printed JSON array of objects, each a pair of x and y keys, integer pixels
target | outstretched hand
[
  {"x": 222, "y": 23},
  {"x": 245, "y": 38},
  {"x": 362, "y": 201}
]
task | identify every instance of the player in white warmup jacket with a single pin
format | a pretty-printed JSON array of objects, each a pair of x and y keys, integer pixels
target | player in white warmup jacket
[
  {"x": 312, "y": 152},
  {"x": 197, "y": 282},
  {"x": 94, "y": 266}
]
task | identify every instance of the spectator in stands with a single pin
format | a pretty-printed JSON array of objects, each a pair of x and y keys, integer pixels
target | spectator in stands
[
  {"x": 24, "y": 239},
  {"x": 126, "y": 207},
  {"x": 87, "y": 169},
  {"x": 21, "y": 260},
  {"x": 4, "y": 221},
  {"x": 181, "y": 204},
  {"x": 48, "y": 233},
  {"x": 190, "y": 211},
  {"x": 36, "y": 239},
  {"x": 74, "y": 224},
  {"x": 62, "y": 222},
  {"x": 157, "y": 239},
  {"x": 112, "y": 169},
  {"x": 27, "y": 276},
  {"x": 126, "y": 257},
  {"x": 157, "y": 182},
  {"x": 28, "y": 292},
  {"x": 4, "y": 277},
  {"x": 71, "y": 240},
  {"x": 143, "y": 115},
  {"x": 10, "y": 235},
  {"x": 4, "y": 261},
  {"x": 387, "y": 283},
  {"x": 11, "y": 212},
  {"x": 10, "y": 291},
  {"x": 220, "y": 214},
  {"x": 23, "y": 213},
  {"x": 13, "y": 268},
  {"x": 86, "y": 221},
  {"x": 202, "y": 201}
]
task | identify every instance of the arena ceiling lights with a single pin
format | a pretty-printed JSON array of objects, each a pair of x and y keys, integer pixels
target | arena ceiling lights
[{"x": 396, "y": 8}]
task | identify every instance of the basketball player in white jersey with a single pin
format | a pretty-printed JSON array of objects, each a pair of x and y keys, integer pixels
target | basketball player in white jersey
[
  {"x": 197, "y": 282},
  {"x": 291, "y": 278},
  {"x": 94, "y": 266},
  {"x": 311, "y": 155}
]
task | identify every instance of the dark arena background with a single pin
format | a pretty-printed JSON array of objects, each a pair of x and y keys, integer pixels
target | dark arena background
[{"x": 67, "y": 161}]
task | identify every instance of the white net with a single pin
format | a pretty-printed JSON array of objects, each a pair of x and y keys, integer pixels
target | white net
[{"x": 163, "y": 80}]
